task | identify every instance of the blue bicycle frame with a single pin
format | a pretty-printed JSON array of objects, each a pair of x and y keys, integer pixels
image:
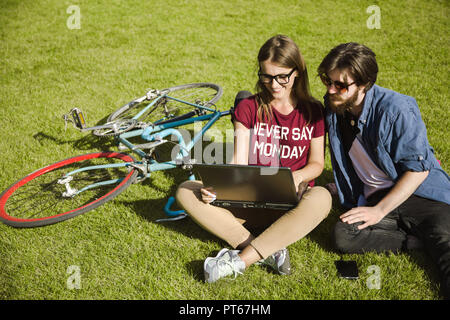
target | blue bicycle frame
[{"x": 157, "y": 131}]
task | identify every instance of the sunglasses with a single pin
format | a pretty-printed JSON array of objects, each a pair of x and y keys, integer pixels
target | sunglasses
[
  {"x": 280, "y": 78},
  {"x": 340, "y": 86}
]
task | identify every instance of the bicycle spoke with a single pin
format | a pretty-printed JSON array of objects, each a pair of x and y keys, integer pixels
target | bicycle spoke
[
  {"x": 32, "y": 195},
  {"x": 166, "y": 108},
  {"x": 43, "y": 196},
  {"x": 49, "y": 205}
]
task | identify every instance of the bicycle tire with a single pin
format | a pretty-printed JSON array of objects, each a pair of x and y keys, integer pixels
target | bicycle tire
[
  {"x": 44, "y": 183},
  {"x": 130, "y": 109}
]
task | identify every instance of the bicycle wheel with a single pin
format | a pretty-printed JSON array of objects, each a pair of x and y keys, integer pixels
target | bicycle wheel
[
  {"x": 204, "y": 94},
  {"x": 41, "y": 198}
]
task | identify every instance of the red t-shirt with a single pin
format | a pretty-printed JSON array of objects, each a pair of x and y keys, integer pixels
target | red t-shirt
[{"x": 285, "y": 141}]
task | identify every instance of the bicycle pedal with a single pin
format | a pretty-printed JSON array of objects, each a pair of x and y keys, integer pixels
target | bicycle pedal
[
  {"x": 76, "y": 117},
  {"x": 79, "y": 118}
]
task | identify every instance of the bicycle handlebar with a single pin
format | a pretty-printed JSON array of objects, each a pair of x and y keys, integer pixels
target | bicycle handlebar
[{"x": 168, "y": 211}]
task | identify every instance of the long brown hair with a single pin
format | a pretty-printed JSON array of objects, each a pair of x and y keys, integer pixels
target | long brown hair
[{"x": 282, "y": 51}]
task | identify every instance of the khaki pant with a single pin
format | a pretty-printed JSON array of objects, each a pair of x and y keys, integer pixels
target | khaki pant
[{"x": 273, "y": 229}]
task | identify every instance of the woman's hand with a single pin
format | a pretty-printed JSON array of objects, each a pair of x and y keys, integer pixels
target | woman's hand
[
  {"x": 313, "y": 167},
  {"x": 302, "y": 187},
  {"x": 208, "y": 195}
]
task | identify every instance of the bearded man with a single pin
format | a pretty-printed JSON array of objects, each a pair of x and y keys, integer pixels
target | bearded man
[{"x": 384, "y": 168}]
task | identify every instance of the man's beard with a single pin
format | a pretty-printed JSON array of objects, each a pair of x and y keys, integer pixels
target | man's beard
[{"x": 343, "y": 104}]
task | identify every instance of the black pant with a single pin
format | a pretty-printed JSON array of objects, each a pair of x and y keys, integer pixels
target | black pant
[{"x": 424, "y": 219}]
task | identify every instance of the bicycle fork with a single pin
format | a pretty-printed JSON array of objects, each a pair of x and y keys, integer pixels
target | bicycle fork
[
  {"x": 68, "y": 178},
  {"x": 70, "y": 192}
]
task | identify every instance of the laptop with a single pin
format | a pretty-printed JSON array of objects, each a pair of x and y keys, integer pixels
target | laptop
[{"x": 246, "y": 186}]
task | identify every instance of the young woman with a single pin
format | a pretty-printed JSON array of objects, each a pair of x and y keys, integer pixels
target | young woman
[{"x": 281, "y": 116}]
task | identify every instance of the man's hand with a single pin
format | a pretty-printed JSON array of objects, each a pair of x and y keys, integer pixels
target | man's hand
[
  {"x": 369, "y": 215},
  {"x": 401, "y": 191}
]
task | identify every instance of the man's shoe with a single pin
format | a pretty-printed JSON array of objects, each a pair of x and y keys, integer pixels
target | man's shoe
[
  {"x": 279, "y": 261},
  {"x": 226, "y": 262}
]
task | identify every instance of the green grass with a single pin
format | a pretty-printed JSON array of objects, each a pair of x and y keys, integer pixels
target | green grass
[{"x": 126, "y": 47}]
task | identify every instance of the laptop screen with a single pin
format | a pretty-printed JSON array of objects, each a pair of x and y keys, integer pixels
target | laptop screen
[{"x": 248, "y": 183}]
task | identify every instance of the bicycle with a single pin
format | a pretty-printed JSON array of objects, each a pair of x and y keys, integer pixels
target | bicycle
[{"x": 76, "y": 185}]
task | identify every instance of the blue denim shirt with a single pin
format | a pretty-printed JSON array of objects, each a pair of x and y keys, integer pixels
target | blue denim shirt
[{"x": 396, "y": 140}]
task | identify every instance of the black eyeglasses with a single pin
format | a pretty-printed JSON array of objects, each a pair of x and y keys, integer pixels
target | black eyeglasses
[
  {"x": 340, "y": 86},
  {"x": 280, "y": 78}
]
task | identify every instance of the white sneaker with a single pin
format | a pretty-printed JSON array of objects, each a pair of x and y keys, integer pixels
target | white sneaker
[
  {"x": 226, "y": 262},
  {"x": 278, "y": 261}
]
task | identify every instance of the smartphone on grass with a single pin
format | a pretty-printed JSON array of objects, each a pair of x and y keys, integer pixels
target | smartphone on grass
[{"x": 347, "y": 269}]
